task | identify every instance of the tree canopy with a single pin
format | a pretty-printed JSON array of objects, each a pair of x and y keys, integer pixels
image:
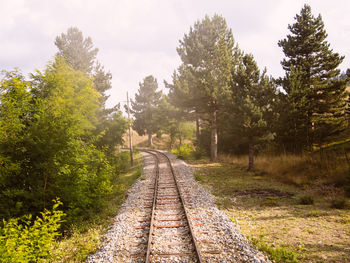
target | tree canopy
[
  {"x": 315, "y": 95},
  {"x": 145, "y": 108}
]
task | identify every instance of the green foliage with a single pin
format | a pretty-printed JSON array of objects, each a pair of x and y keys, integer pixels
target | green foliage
[
  {"x": 25, "y": 240},
  {"x": 110, "y": 132},
  {"x": 145, "y": 108},
  {"x": 307, "y": 200},
  {"x": 183, "y": 152},
  {"x": 198, "y": 153},
  {"x": 47, "y": 143},
  {"x": 313, "y": 107},
  {"x": 122, "y": 162},
  {"x": 80, "y": 54},
  {"x": 276, "y": 253},
  {"x": 250, "y": 107},
  {"x": 77, "y": 50},
  {"x": 208, "y": 55}
]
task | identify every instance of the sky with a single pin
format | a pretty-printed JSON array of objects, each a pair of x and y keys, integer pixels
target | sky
[{"x": 139, "y": 38}]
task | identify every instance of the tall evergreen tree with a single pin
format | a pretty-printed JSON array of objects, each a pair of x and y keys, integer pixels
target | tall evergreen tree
[
  {"x": 181, "y": 95},
  {"x": 250, "y": 106},
  {"x": 207, "y": 52},
  {"x": 80, "y": 54},
  {"x": 313, "y": 89},
  {"x": 78, "y": 51},
  {"x": 145, "y": 108}
]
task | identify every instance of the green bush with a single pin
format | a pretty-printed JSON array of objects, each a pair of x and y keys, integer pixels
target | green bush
[
  {"x": 306, "y": 200},
  {"x": 276, "y": 253},
  {"x": 122, "y": 162},
  {"x": 198, "y": 153},
  {"x": 183, "y": 152},
  {"x": 22, "y": 240}
]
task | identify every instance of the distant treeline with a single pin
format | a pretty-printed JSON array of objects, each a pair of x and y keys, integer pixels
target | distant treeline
[{"x": 237, "y": 107}]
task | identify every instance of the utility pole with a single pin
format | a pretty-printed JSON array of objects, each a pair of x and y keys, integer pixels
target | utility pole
[{"x": 130, "y": 132}]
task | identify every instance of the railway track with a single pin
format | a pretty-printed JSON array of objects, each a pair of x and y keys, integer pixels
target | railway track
[
  {"x": 170, "y": 236},
  {"x": 167, "y": 216}
]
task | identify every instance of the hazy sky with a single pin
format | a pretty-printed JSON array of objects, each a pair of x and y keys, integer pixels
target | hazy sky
[{"x": 139, "y": 38}]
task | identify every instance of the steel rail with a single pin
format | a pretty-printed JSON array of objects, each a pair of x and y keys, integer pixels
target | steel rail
[
  {"x": 155, "y": 193},
  {"x": 196, "y": 248}
]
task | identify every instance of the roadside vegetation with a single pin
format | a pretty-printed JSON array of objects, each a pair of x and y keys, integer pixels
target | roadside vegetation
[
  {"x": 85, "y": 238},
  {"x": 61, "y": 176}
]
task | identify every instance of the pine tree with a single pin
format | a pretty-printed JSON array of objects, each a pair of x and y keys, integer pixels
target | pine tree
[
  {"x": 182, "y": 96},
  {"x": 311, "y": 82},
  {"x": 80, "y": 54},
  {"x": 250, "y": 107},
  {"x": 78, "y": 51},
  {"x": 145, "y": 108},
  {"x": 207, "y": 52}
]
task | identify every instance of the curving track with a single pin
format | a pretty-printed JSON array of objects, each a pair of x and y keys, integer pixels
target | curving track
[{"x": 169, "y": 222}]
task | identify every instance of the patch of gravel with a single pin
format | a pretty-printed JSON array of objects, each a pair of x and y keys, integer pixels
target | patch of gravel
[{"x": 219, "y": 239}]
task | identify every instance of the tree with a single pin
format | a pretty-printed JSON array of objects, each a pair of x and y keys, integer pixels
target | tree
[
  {"x": 145, "y": 108},
  {"x": 78, "y": 51},
  {"x": 207, "y": 53},
  {"x": 80, "y": 54},
  {"x": 311, "y": 83},
  {"x": 46, "y": 145},
  {"x": 250, "y": 108},
  {"x": 183, "y": 101}
]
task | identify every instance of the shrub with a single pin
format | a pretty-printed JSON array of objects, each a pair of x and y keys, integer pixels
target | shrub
[
  {"x": 306, "y": 200},
  {"x": 338, "y": 203},
  {"x": 122, "y": 162},
  {"x": 198, "y": 153},
  {"x": 183, "y": 152},
  {"x": 276, "y": 253},
  {"x": 22, "y": 240}
]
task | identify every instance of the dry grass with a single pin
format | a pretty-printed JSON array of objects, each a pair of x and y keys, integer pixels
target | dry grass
[
  {"x": 162, "y": 143},
  {"x": 326, "y": 168},
  {"x": 276, "y": 221}
]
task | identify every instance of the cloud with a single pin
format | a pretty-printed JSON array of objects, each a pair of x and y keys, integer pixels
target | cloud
[{"x": 139, "y": 38}]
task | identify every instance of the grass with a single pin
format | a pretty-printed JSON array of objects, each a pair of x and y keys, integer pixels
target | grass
[
  {"x": 142, "y": 141},
  {"x": 327, "y": 167},
  {"x": 276, "y": 253},
  {"x": 267, "y": 208},
  {"x": 84, "y": 239}
]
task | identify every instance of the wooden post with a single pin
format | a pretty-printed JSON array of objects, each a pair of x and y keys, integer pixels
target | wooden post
[{"x": 130, "y": 132}]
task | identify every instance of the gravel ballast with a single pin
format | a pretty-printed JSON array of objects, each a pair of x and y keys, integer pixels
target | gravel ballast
[{"x": 218, "y": 238}]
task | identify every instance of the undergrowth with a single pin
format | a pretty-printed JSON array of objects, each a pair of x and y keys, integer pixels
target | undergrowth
[
  {"x": 84, "y": 238},
  {"x": 27, "y": 240},
  {"x": 277, "y": 253}
]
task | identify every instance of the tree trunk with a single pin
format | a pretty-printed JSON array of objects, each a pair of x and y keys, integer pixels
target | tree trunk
[
  {"x": 251, "y": 157},
  {"x": 214, "y": 137},
  {"x": 198, "y": 131},
  {"x": 150, "y": 142},
  {"x": 44, "y": 193}
]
